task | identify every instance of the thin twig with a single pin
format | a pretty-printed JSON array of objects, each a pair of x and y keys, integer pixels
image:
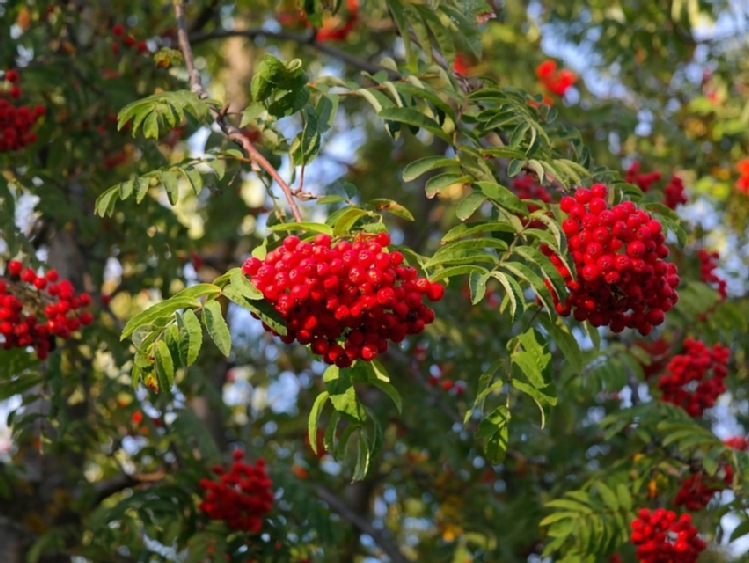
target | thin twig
[
  {"x": 232, "y": 132},
  {"x": 361, "y": 524}
]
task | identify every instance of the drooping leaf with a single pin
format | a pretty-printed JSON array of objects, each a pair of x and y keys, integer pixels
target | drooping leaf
[{"x": 216, "y": 326}]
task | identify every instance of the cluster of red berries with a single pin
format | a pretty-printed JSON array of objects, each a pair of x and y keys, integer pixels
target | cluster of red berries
[
  {"x": 618, "y": 253},
  {"x": 332, "y": 29},
  {"x": 673, "y": 192},
  {"x": 708, "y": 265},
  {"x": 242, "y": 496},
  {"x": 16, "y": 123},
  {"x": 697, "y": 490},
  {"x": 642, "y": 181},
  {"x": 742, "y": 184},
  {"x": 737, "y": 443},
  {"x": 346, "y": 300},
  {"x": 35, "y": 309},
  {"x": 462, "y": 64},
  {"x": 695, "y": 379},
  {"x": 556, "y": 81},
  {"x": 120, "y": 32},
  {"x": 663, "y": 537},
  {"x": 528, "y": 187},
  {"x": 659, "y": 351},
  {"x": 435, "y": 379}
]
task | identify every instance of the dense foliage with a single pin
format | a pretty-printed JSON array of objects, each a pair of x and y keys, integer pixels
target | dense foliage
[{"x": 382, "y": 280}]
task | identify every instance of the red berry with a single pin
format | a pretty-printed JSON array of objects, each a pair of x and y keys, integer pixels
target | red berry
[{"x": 14, "y": 267}]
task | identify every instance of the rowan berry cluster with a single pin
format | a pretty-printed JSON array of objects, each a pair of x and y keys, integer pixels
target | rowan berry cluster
[
  {"x": 35, "y": 309},
  {"x": 708, "y": 265},
  {"x": 737, "y": 443},
  {"x": 642, "y": 181},
  {"x": 16, "y": 122},
  {"x": 119, "y": 33},
  {"x": 438, "y": 378},
  {"x": 346, "y": 300},
  {"x": 527, "y": 187},
  {"x": 695, "y": 378},
  {"x": 242, "y": 496},
  {"x": 618, "y": 254},
  {"x": 556, "y": 81},
  {"x": 335, "y": 28},
  {"x": 659, "y": 351},
  {"x": 674, "y": 193},
  {"x": 697, "y": 490},
  {"x": 742, "y": 184},
  {"x": 663, "y": 537}
]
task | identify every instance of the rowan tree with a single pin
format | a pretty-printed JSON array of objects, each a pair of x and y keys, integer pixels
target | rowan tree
[{"x": 374, "y": 280}]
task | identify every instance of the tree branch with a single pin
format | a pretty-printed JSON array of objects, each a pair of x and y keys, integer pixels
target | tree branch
[
  {"x": 301, "y": 39},
  {"x": 232, "y": 132},
  {"x": 361, "y": 524}
]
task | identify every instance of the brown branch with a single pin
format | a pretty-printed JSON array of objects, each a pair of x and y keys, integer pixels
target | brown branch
[
  {"x": 361, "y": 524},
  {"x": 307, "y": 40},
  {"x": 232, "y": 132}
]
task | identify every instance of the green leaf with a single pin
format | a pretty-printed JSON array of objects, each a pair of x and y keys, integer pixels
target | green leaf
[
  {"x": 534, "y": 362},
  {"x": 261, "y": 308},
  {"x": 189, "y": 326},
  {"x": 374, "y": 374},
  {"x": 164, "y": 110},
  {"x": 216, "y": 326},
  {"x": 363, "y": 456},
  {"x": 391, "y": 206},
  {"x": 162, "y": 310},
  {"x": 427, "y": 164},
  {"x": 504, "y": 197},
  {"x": 493, "y": 430},
  {"x": 477, "y": 285},
  {"x": 240, "y": 282},
  {"x": 169, "y": 180},
  {"x": 478, "y": 227},
  {"x": 469, "y": 204},
  {"x": 739, "y": 531},
  {"x": 342, "y": 393},
  {"x": 303, "y": 226},
  {"x": 456, "y": 271},
  {"x": 414, "y": 118},
  {"x": 306, "y": 144},
  {"x": 399, "y": 17},
  {"x": 526, "y": 274},
  {"x": 347, "y": 219},
  {"x": 314, "y": 419},
  {"x": 442, "y": 30},
  {"x": 281, "y": 88},
  {"x": 251, "y": 113},
  {"x": 164, "y": 366},
  {"x": 565, "y": 341},
  {"x": 436, "y": 184}
]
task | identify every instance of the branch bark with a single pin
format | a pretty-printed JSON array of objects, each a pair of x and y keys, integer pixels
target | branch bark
[
  {"x": 306, "y": 40},
  {"x": 232, "y": 132},
  {"x": 362, "y": 524}
]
